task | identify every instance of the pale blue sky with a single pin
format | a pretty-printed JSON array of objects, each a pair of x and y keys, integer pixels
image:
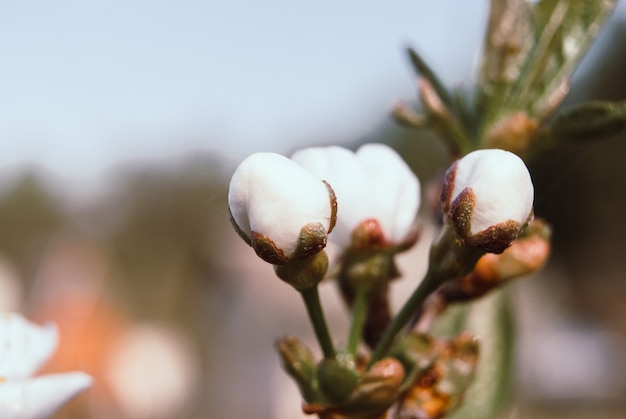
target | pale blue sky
[
  {"x": 87, "y": 83},
  {"x": 84, "y": 84}
]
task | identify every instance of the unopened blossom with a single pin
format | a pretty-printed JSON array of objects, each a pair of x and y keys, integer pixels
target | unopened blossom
[
  {"x": 376, "y": 190},
  {"x": 487, "y": 197},
  {"x": 279, "y": 208},
  {"x": 24, "y": 347}
]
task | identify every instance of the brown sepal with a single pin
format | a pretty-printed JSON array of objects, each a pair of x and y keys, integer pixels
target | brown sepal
[
  {"x": 461, "y": 212},
  {"x": 496, "y": 238},
  {"x": 313, "y": 238},
  {"x": 447, "y": 187},
  {"x": 267, "y": 250},
  {"x": 333, "y": 207}
]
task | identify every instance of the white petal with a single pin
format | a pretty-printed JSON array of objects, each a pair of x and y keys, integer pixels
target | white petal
[
  {"x": 339, "y": 167},
  {"x": 24, "y": 346},
  {"x": 41, "y": 397},
  {"x": 501, "y": 184},
  {"x": 394, "y": 190},
  {"x": 374, "y": 183},
  {"x": 274, "y": 196}
]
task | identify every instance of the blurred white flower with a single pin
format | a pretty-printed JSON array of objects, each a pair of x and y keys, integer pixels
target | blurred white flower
[
  {"x": 282, "y": 210},
  {"x": 24, "y": 347},
  {"x": 487, "y": 197},
  {"x": 153, "y": 372},
  {"x": 373, "y": 184}
]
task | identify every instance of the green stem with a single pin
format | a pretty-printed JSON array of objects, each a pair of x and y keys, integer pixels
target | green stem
[
  {"x": 359, "y": 315},
  {"x": 449, "y": 258},
  {"x": 430, "y": 283},
  {"x": 314, "y": 309}
]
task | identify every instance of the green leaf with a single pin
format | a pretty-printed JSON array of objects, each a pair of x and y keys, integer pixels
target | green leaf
[
  {"x": 446, "y": 114},
  {"x": 422, "y": 69},
  {"x": 507, "y": 43},
  {"x": 564, "y": 31},
  {"x": 444, "y": 121},
  {"x": 588, "y": 122},
  {"x": 530, "y": 73},
  {"x": 491, "y": 319}
]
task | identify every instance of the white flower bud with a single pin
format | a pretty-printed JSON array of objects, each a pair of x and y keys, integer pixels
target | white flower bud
[
  {"x": 281, "y": 209},
  {"x": 374, "y": 186},
  {"x": 487, "y": 197}
]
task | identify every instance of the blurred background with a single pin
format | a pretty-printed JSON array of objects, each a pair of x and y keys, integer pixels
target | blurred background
[{"x": 120, "y": 125}]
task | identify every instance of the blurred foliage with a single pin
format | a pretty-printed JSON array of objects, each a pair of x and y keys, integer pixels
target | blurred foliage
[
  {"x": 163, "y": 234},
  {"x": 157, "y": 227},
  {"x": 30, "y": 216}
]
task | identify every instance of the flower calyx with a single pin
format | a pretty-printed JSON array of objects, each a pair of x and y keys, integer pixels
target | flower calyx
[
  {"x": 348, "y": 392},
  {"x": 303, "y": 274}
]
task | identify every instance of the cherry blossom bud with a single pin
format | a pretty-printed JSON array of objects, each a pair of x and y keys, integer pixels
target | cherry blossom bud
[
  {"x": 365, "y": 394},
  {"x": 337, "y": 379},
  {"x": 377, "y": 390},
  {"x": 377, "y": 192},
  {"x": 487, "y": 197},
  {"x": 279, "y": 208}
]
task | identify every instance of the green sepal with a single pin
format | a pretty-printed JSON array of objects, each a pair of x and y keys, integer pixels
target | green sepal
[
  {"x": 336, "y": 379},
  {"x": 378, "y": 389},
  {"x": 416, "y": 353},
  {"x": 491, "y": 319},
  {"x": 304, "y": 273},
  {"x": 298, "y": 361}
]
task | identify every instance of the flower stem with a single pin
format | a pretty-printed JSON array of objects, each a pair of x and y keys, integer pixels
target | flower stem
[
  {"x": 316, "y": 315},
  {"x": 359, "y": 314},
  {"x": 425, "y": 288},
  {"x": 449, "y": 258}
]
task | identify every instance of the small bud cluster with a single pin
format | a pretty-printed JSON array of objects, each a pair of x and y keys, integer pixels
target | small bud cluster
[
  {"x": 366, "y": 202},
  {"x": 287, "y": 209},
  {"x": 341, "y": 385}
]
